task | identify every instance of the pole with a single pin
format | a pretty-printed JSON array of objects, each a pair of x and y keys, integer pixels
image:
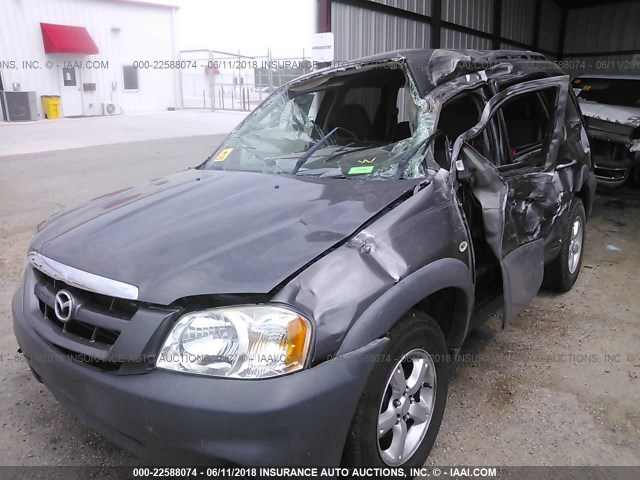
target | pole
[{"x": 211, "y": 86}]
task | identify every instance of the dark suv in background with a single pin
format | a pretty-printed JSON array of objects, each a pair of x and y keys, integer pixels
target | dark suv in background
[{"x": 296, "y": 298}]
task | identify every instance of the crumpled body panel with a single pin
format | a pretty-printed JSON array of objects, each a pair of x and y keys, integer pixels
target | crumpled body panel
[{"x": 338, "y": 288}]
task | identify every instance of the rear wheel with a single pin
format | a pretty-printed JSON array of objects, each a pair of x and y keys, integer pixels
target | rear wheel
[
  {"x": 401, "y": 408},
  {"x": 561, "y": 274}
]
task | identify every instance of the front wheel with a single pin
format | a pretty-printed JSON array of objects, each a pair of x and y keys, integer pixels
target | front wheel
[{"x": 401, "y": 408}]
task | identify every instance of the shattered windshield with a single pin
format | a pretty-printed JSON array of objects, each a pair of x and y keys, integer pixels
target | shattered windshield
[
  {"x": 610, "y": 91},
  {"x": 363, "y": 122}
]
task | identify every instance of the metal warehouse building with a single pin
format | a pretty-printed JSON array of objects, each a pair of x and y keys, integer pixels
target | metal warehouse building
[
  {"x": 591, "y": 35},
  {"x": 84, "y": 51}
]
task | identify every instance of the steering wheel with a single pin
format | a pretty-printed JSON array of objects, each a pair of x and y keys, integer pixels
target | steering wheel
[{"x": 353, "y": 135}]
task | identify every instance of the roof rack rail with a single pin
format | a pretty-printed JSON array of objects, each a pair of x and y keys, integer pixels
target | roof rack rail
[{"x": 513, "y": 55}]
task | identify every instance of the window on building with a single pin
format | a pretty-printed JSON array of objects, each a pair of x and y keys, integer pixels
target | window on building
[
  {"x": 130, "y": 76},
  {"x": 69, "y": 77}
]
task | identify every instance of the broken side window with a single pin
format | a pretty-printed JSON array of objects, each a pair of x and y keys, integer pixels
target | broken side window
[{"x": 403, "y": 125}]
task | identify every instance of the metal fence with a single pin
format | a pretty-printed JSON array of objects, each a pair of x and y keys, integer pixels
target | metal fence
[{"x": 216, "y": 80}]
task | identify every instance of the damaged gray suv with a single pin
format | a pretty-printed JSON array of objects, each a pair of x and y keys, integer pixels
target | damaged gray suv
[{"x": 296, "y": 299}]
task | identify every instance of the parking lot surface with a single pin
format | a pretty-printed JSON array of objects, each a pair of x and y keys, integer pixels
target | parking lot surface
[
  {"x": 70, "y": 133},
  {"x": 559, "y": 386}
]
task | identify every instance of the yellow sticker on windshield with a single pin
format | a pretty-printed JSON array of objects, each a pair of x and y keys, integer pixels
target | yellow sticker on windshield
[
  {"x": 586, "y": 88},
  {"x": 222, "y": 156}
]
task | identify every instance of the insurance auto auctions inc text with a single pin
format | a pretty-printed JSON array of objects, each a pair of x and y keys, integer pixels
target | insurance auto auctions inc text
[{"x": 375, "y": 472}]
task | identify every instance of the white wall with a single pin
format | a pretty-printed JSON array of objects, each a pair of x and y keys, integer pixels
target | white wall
[{"x": 145, "y": 33}]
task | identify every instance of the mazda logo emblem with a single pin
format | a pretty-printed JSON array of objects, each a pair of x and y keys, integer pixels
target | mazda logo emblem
[{"x": 64, "y": 306}]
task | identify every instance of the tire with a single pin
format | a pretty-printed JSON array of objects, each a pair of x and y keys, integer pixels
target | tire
[
  {"x": 420, "y": 336},
  {"x": 562, "y": 272},
  {"x": 635, "y": 172}
]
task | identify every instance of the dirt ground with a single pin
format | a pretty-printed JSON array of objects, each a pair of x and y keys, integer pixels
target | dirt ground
[{"x": 559, "y": 386}]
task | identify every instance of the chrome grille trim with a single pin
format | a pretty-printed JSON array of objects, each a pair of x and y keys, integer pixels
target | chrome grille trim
[{"x": 81, "y": 279}]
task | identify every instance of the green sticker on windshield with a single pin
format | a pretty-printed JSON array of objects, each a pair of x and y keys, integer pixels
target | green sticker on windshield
[{"x": 360, "y": 170}]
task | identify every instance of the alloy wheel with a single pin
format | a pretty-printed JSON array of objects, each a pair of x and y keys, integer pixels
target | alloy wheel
[
  {"x": 407, "y": 407},
  {"x": 575, "y": 245}
]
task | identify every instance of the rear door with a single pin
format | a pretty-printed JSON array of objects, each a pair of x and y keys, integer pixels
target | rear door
[{"x": 520, "y": 199}]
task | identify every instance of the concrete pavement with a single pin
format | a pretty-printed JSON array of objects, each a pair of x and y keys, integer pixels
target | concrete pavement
[
  {"x": 35, "y": 429},
  {"x": 50, "y": 135}
]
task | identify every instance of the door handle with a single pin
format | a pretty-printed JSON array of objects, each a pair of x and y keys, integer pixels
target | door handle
[{"x": 566, "y": 165}]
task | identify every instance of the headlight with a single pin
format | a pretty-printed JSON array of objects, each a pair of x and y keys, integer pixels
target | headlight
[{"x": 256, "y": 341}]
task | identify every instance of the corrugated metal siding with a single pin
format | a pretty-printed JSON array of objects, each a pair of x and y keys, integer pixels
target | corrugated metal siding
[
  {"x": 550, "y": 17},
  {"x": 359, "y": 32},
  {"x": 145, "y": 34},
  {"x": 509, "y": 46},
  {"x": 517, "y": 20},
  {"x": 606, "y": 28},
  {"x": 476, "y": 14},
  {"x": 377, "y": 32},
  {"x": 422, "y": 7},
  {"x": 614, "y": 64},
  {"x": 452, "y": 39}
]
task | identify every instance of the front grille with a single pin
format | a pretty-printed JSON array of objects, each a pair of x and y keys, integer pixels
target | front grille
[
  {"x": 104, "y": 365},
  {"x": 95, "y": 322}
]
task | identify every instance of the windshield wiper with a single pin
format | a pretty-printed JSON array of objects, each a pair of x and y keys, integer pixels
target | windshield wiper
[
  {"x": 409, "y": 155},
  {"x": 301, "y": 161},
  {"x": 339, "y": 151}
]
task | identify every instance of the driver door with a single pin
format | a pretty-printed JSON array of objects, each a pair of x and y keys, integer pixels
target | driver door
[{"x": 519, "y": 199}]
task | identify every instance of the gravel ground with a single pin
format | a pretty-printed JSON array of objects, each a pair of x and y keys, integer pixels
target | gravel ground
[{"x": 559, "y": 386}]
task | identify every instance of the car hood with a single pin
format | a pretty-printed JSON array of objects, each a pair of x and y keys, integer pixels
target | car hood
[
  {"x": 212, "y": 232},
  {"x": 611, "y": 113}
]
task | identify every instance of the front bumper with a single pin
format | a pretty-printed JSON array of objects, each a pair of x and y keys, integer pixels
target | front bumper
[
  {"x": 173, "y": 418},
  {"x": 613, "y": 161},
  {"x": 612, "y": 176}
]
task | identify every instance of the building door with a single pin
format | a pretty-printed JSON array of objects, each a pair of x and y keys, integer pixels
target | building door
[{"x": 71, "y": 92}]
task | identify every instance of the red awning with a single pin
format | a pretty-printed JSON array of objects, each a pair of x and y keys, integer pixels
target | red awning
[{"x": 66, "y": 39}]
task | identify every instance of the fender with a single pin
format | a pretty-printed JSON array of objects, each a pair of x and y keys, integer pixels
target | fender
[
  {"x": 383, "y": 314},
  {"x": 589, "y": 187}
]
